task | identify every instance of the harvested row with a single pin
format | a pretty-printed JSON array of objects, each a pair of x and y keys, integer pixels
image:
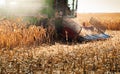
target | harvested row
[{"x": 98, "y": 57}]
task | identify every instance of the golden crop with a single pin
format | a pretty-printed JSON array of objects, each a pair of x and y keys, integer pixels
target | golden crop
[
  {"x": 15, "y": 33},
  {"x": 98, "y": 57},
  {"x": 95, "y": 57},
  {"x": 110, "y": 20}
]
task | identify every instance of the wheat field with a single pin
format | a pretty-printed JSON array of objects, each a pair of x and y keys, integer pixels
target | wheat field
[
  {"x": 15, "y": 33},
  {"x": 23, "y": 50},
  {"x": 110, "y": 20}
]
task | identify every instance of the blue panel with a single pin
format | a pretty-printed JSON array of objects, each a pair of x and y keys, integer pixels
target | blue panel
[{"x": 96, "y": 36}]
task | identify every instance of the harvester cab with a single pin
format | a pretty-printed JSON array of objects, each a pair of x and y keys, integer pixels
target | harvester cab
[{"x": 66, "y": 8}]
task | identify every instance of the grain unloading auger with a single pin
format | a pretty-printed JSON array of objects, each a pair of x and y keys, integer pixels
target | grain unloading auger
[{"x": 65, "y": 11}]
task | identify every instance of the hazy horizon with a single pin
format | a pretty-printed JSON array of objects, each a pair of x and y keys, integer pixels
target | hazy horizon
[{"x": 98, "y": 6}]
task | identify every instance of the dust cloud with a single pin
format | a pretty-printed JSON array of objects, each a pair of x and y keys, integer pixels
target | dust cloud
[{"x": 21, "y": 7}]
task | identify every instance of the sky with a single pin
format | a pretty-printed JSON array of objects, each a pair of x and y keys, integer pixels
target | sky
[
  {"x": 98, "y": 6},
  {"x": 2, "y": 2},
  {"x": 93, "y": 6}
]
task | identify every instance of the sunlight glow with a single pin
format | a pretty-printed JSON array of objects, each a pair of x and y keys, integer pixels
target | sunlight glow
[
  {"x": 13, "y": 3},
  {"x": 2, "y": 3}
]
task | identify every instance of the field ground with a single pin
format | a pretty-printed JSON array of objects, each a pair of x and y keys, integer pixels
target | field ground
[{"x": 94, "y": 57}]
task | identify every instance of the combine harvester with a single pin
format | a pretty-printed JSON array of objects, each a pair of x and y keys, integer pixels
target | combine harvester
[{"x": 65, "y": 12}]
